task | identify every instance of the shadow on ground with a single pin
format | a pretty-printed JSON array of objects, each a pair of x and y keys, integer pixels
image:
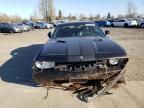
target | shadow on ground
[
  {"x": 18, "y": 68},
  {"x": 8, "y": 34}
]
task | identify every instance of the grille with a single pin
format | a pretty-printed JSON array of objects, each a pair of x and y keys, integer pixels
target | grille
[{"x": 78, "y": 67}]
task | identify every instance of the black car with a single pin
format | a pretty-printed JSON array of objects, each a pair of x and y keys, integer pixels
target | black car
[
  {"x": 9, "y": 28},
  {"x": 80, "y": 53}
]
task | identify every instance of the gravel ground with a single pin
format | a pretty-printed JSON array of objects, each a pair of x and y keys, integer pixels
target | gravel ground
[
  {"x": 18, "y": 91},
  {"x": 133, "y": 41}
]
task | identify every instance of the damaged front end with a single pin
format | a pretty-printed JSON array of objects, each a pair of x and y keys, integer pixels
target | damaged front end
[{"x": 97, "y": 76}]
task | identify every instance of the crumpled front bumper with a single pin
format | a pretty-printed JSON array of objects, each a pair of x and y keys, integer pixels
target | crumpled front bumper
[{"x": 100, "y": 71}]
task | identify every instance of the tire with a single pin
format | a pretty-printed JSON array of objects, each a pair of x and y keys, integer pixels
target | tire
[
  {"x": 125, "y": 25},
  {"x": 112, "y": 25},
  {"x": 142, "y": 25},
  {"x": 47, "y": 27},
  {"x": 11, "y": 31}
]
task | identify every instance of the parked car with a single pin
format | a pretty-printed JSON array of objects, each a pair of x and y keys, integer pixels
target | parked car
[
  {"x": 53, "y": 24},
  {"x": 79, "y": 53},
  {"x": 141, "y": 23},
  {"x": 30, "y": 23},
  {"x": 24, "y": 27},
  {"x": 43, "y": 25},
  {"x": 56, "y": 22},
  {"x": 10, "y": 28},
  {"x": 103, "y": 23},
  {"x": 50, "y": 25},
  {"x": 124, "y": 23}
]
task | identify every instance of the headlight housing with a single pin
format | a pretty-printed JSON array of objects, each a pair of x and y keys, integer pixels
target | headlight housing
[
  {"x": 114, "y": 61},
  {"x": 44, "y": 64},
  {"x": 16, "y": 29}
]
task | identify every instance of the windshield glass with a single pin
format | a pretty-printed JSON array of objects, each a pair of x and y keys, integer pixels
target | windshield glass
[
  {"x": 15, "y": 25},
  {"x": 77, "y": 30},
  {"x": 40, "y": 23}
]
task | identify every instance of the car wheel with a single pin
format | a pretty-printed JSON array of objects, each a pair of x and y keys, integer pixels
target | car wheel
[
  {"x": 11, "y": 31},
  {"x": 126, "y": 25},
  {"x": 46, "y": 27},
  {"x": 142, "y": 25},
  {"x": 112, "y": 25}
]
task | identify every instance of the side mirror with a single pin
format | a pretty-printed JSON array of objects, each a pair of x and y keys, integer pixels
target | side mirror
[
  {"x": 50, "y": 34},
  {"x": 107, "y": 32}
]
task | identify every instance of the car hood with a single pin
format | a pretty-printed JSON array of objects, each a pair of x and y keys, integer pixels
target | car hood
[{"x": 75, "y": 49}]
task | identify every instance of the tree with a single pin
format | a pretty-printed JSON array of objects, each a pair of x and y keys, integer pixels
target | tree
[
  {"x": 131, "y": 10},
  {"x": 109, "y": 16},
  {"x": 82, "y": 17},
  {"x": 60, "y": 14},
  {"x": 98, "y": 16},
  {"x": 47, "y": 9},
  {"x": 8, "y": 18},
  {"x": 120, "y": 16},
  {"x": 91, "y": 17},
  {"x": 35, "y": 17},
  {"x": 69, "y": 17},
  {"x": 74, "y": 18}
]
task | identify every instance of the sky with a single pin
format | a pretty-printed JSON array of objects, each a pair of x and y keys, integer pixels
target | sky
[{"x": 26, "y": 8}]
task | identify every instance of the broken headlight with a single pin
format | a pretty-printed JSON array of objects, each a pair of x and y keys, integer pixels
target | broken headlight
[
  {"x": 44, "y": 64},
  {"x": 114, "y": 61}
]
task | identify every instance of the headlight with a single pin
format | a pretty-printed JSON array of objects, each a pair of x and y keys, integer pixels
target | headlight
[
  {"x": 113, "y": 61},
  {"x": 44, "y": 65},
  {"x": 16, "y": 29}
]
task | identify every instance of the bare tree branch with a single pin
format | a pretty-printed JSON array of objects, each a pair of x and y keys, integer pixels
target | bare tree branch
[
  {"x": 47, "y": 9},
  {"x": 131, "y": 10}
]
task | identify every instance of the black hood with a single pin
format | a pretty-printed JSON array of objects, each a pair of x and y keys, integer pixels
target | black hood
[{"x": 75, "y": 49}]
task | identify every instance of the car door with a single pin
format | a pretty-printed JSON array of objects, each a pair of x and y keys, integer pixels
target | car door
[
  {"x": 116, "y": 23},
  {"x": 121, "y": 23},
  {"x": 2, "y": 27},
  {"x": 7, "y": 27}
]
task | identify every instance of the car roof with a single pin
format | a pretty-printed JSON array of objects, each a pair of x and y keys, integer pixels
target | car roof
[
  {"x": 5, "y": 23},
  {"x": 77, "y": 22}
]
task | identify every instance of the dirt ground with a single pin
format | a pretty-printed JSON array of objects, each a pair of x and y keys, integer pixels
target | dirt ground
[
  {"x": 18, "y": 91},
  {"x": 133, "y": 41}
]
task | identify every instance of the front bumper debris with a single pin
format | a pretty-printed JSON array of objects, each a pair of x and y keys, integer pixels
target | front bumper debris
[{"x": 98, "y": 76}]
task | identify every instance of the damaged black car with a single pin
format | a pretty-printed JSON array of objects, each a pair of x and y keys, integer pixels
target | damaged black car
[{"x": 82, "y": 55}]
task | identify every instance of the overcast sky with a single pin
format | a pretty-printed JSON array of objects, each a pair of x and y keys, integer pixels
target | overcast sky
[{"x": 25, "y": 8}]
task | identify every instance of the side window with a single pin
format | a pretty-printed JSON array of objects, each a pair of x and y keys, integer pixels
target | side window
[
  {"x": 7, "y": 25},
  {"x": 121, "y": 20},
  {"x": 1, "y": 25}
]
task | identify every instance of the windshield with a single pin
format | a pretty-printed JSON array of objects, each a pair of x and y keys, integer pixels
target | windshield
[
  {"x": 40, "y": 23},
  {"x": 15, "y": 25},
  {"x": 78, "y": 30}
]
